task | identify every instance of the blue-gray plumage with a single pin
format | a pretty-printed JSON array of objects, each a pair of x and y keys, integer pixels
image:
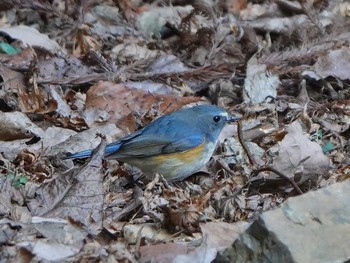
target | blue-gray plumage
[{"x": 175, "y": 145}]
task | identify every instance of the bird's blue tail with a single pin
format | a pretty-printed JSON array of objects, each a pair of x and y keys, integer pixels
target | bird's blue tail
[
  {"x": 110, "y": 149},
  {"x": 79, "y": 155}
]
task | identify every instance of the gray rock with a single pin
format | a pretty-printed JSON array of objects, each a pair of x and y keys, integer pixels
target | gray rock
[{"x": 314, "y": 227}]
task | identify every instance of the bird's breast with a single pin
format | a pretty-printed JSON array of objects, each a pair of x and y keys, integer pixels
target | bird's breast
[
  {"x": 179, "y": 165},
  {"x": 175, "y": 166},
  {"x": 184, "y": 156}
]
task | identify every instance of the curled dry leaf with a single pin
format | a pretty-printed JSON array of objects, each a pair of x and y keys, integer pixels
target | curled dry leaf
[
  {"x": 39, "y": 169},
  {"x": 186, "y": 220},
  {"x": 184, "y": 212},
  {"x": 16, "y": 125},
  {"x": 130, "y": 52},
  {"x": 84, "y": 41},
  {"x": 36, "y": 100},
  {"x": 259, "y": 83},
  {"x": 296, "y": 150},
  {"x": 25, "y": 158}
]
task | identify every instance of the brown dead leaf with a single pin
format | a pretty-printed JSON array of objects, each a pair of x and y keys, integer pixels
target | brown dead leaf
[
  {"x": 65, "y": 117},
  {"x": 119, "y": 101},
  {"x": 62, "y": 108},
  {"x": 184, "y": 219},
  {"x": 49, "y": 143},
  {"x": 237, "y": 5},
  {"x": 39, "y": 169},
  {"x": 130, "y": 204},
  {"x": 184, "y": 212},
  {"x": 25, "y": 158},
  {"x": 84, "y": 41},
  {"x": 21, "y": 61},
  {"x": 24, "y": 255},
  {"x": 35, "y": 100}
]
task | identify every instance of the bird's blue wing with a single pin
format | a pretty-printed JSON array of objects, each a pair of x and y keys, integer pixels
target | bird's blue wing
[
  {"x": 147, "y": 146},
  {"x": 165, "y": 135}
]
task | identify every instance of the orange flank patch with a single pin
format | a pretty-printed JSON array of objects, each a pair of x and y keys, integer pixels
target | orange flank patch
[{"x": 186, "y": 156}]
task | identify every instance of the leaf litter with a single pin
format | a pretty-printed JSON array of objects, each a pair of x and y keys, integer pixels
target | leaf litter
[{"x": 113, "y": 68}]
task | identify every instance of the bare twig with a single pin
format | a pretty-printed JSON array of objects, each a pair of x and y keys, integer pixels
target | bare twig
[
  {"x": 244, "y": 145},
  {"x": 269, "y": 168}
]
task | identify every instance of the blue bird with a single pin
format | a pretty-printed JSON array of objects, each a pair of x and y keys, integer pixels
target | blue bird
[{"x": 175, "y": 145}]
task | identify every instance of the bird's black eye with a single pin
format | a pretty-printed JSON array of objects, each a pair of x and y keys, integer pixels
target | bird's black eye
[{"x": 217, "y": 118}]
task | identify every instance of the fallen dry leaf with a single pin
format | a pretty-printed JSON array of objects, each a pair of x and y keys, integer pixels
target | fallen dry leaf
[
  {"x": 259, "y": 83},
  {"x": 32, "y": 37},
  {"x": 16, "y": 125},
  {"x": 335, "y": 64},
  {"x": 119, "y": 102},
  {"x": 298, "y": 152},
  {"x": 80, "y": 198}
]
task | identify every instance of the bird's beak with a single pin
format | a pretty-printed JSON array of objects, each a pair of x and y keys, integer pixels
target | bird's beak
[{"x": 232, "y": 119}]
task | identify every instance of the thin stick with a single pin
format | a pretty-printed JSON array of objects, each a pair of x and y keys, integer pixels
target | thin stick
[
  {"x": 269, "y": 168},
  {"x": 244, "y": 145}
]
